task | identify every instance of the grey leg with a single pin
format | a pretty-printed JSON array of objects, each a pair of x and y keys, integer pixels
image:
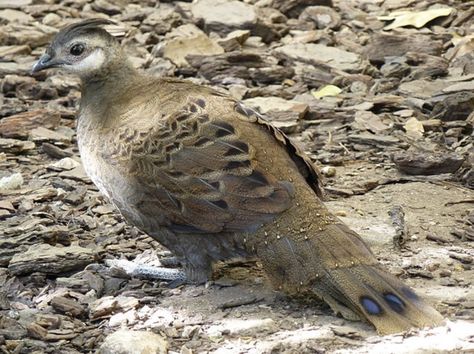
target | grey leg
[
  {"x": 146, "y": 272},
  {"x": 171, "y": 262}
]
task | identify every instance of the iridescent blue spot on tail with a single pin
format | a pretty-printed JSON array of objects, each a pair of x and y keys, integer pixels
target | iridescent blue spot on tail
[
  {"x": 370, "y": 305},
  {"x": 395, "y": 303}
]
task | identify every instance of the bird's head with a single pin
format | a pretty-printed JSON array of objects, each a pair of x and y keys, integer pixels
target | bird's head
[{"x": 84, "y": 48}]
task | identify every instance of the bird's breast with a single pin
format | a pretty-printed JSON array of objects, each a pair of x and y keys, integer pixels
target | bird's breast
[
  {"x": 90, "y": 147},
  {"x": 95, "y": 168}
]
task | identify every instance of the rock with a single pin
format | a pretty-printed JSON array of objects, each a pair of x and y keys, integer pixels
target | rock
[
  {"x": 6, "y": 205},
  {"x": 189, "y": 40},
  {"x": 315, "y": 54},
  {"x": 234, "y": 40},
  {"x": 10, "y": 82},
  {"x": 271, "y": 74},
  {"x": 42, "y": 134},
  {"x": 16, "y": 4},
  {"x": 422, "y": 88},
  {"x": 382, "y": 46},
  {"x": 54, "y": 151},
  {"x": 223, "y": 67},
  {"x": 224, "y": 16},
  {"x": 427, "y": 163},
  {"x": 268, "y": 104},
  {"x": 18, "y": 34},
  {"x": 51, "y": 260},
  {"x": 20, "y": 125},
  {"x": 37, "y": 91},
  {"x": 123, "y": 318},
  {"x": 51, "y": 19},
  {"x": 4, "y": 302},
  {"x": 15, "y": 146},
  {"x": 4, "y": 213},
  {"x": 106, "y": 7},
  {"x": 13, "y": 68},
  {"x": 190, "y": 331},
  {"x": 457, "y": 106},
  {"x": 293, "y": 8},
  {"x": 395, "y": 67},
  {"x": 372, "y": 139},
  {"x": 321, "y": 16},
  {"x": 271, "y": 25},
  {"x": 9, "y": 15},
  {"x": 414, "y": 128},
  {"x": 64, "y": 164},
  {"x": 463, "y": 258},
  {"x": 133, "y": 342},
  {"x": 162, "y": 19},
  {"x": 366, "y": 120},
  {"x": 10, "y": 51},
  {"x": 78, "y": 174},
  {"x": 67, "y": 306},
  {"x": 282, "y": 113},
  {"x": 328, "y": 171},
  {"x": 37, "y": 331},
  {"x": 247, "y": 327},
  {"x": 13, "y": 181},
  {"x": 105, "y": 306}
]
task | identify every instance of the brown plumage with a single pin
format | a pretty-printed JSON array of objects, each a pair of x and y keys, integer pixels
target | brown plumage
[{"x": 212, "y": 180}]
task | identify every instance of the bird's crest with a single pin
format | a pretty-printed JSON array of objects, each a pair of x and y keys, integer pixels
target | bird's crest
[{"x": 80, "y": 28}]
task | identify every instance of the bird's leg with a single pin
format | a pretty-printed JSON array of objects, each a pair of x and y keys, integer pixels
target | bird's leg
[
  {"x": 143, "y": 271},
  {"x": 198, "y": 272},
  {"x": 171, "y": 262}
]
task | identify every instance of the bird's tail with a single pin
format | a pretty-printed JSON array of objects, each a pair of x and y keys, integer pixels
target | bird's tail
[{"x": 335, "y": 264}]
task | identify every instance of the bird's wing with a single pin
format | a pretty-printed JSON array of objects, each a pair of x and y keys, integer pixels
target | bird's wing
[
  {"x": 200, "y": 175},
  {"x": 304, "y": 164}
]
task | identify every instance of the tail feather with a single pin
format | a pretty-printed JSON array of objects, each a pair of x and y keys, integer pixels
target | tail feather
[
  {"x": 376, "y": 296},
  {"x": 336, "y": 265}
]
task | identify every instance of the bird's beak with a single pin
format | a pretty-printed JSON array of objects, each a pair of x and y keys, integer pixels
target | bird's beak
[{"x": 45, "y": 62}]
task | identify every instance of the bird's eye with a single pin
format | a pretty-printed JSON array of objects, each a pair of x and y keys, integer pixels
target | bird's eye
[{"x": 77, "y": 49}]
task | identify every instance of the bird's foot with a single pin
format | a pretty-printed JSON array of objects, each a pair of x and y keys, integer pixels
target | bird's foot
[{"x": 143, "y": 271}]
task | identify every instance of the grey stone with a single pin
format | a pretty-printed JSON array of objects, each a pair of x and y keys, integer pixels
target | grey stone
[
  {"x": 267, "y": 104},
  {"x": 15, "y": 145},
  {"x": 247, "y": 327},
  {"x": 224, "y": 15},
  {"x": 51, "y": 260},
  {"x": 14, "y": 4},
  {"x": 41, "y": 134},
  {"x": 133, "y": 342},
  {"x": 373, "y": 139},
  {"x": 312, "y": 53},
  {"x": 321, "y": 16},
  {"x": 10, "y": 15},
  {"x": 66, "y": 163},
  {"x": 189, "y": 40}
]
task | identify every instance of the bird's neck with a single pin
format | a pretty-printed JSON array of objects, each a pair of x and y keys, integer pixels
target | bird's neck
[
  {"x": 105, "y": 91},
  {"x": 109, "y": 81}
]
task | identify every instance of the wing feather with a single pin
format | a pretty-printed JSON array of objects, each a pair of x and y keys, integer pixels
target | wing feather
[{"x": 201, "y": 176}]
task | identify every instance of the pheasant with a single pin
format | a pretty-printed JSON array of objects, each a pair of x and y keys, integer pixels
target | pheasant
[{"x": 212, "y": 180}]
